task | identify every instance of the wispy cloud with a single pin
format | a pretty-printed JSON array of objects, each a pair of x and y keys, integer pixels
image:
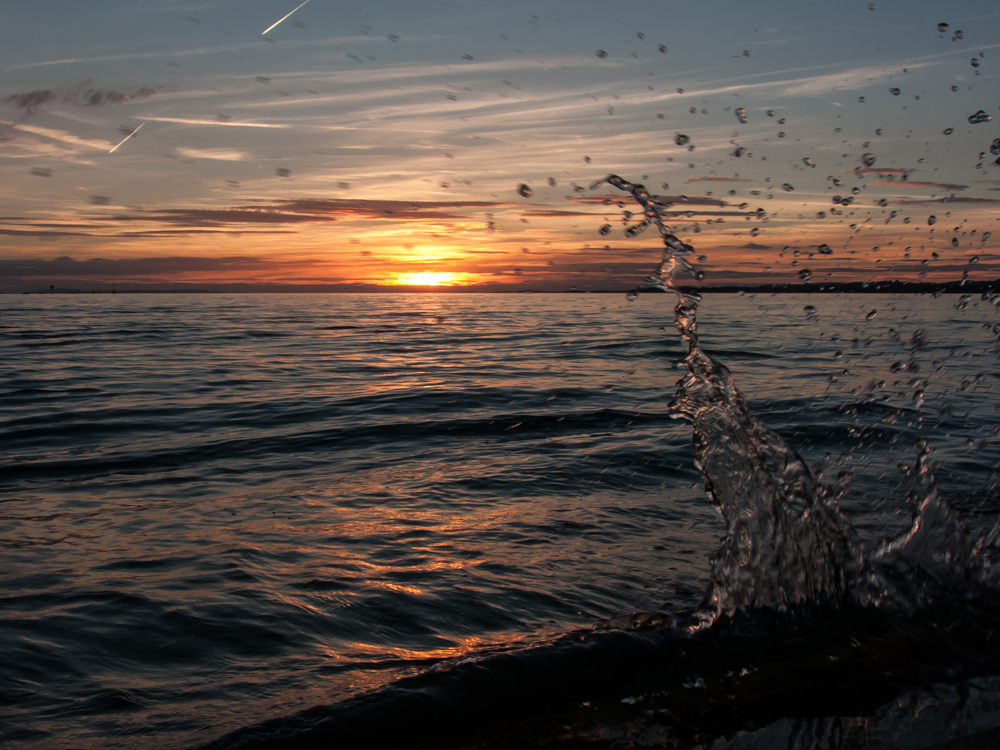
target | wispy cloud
[
  {"x": 225, "y": 123},
  {"x": 219, "y": 154},
  {"x": 959, "y": 199},
  {"x": 60, "y": 135},
  {"x": 713, "y": 178},
  {"x": 918, "y": 184}
]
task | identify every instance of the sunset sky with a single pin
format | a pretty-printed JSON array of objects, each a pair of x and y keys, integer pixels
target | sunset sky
[{"x": 383, "y": 143}]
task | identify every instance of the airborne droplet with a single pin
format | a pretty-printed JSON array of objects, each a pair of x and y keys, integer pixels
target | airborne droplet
[
  {"x": 805, "y": 274},
  {"x": 770, "y": 113},
  {"x": 973, "y": 260},
  {"x": 741, "y": 115},
  {"x": 979, "y": 118},
  {"x": 824, "y": 249},
  {"x": 524, "y": 191},
  {"x": 894, "y": 91},
  {"x": 632, "y": 296},
  {"x": 931, "y": 220},
  {"x": 995, "y": 147},
  {"x": 682, "y": 140},
  {"x": 810, "y": 311},
  {"x": 868, "y": 159},
  {"x": 871, "y": 315},
  {"x": 601, "y": 54},
  {"x": 662, "y": 48},
  {"x": 954, "y": 241},
  {"x": 605, "y": 230},
  {"x": 974, "y": 62},
  {"x": 942, "y": 27},
  {"x": 787, "y": 187},
  {"x": 808, "y": 162},
  {"x": 949, "y": 131},
  {"x": 739, "y": 151}
]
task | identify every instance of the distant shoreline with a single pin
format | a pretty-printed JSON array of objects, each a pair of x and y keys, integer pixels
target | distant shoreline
[{"x": 851, "y": 287}]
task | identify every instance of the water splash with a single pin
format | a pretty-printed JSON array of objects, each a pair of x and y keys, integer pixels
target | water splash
[{"x": 788, "y": 546}]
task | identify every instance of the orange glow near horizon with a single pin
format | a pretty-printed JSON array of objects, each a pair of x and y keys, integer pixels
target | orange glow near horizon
[{"x": 431, "y": 278}]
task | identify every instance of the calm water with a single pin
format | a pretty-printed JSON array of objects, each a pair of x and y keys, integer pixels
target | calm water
[{"x": 220, "y": 509}]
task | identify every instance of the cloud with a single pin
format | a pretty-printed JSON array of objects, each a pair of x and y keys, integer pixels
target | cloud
[
  {"x": 243, "y": 219},
  {"x": 878, "y": 171},
  {"x": 962, "y": 199},
  {"x": 31, "y": 100},
  {"x": 671, "y": 200},
  {"x": 102, "y": 268},
  {"x": 192, "y": 121},
  {"x": 79, "y": 96},
  {"x": 913, "y": 183},
  {"x": 60, "y": 135},
  {"x": 219, "y": 154},
  {"x": 713, "y": 178}
]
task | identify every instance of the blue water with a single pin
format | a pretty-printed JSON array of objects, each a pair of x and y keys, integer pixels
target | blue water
[{"x": 218, "y": 509}]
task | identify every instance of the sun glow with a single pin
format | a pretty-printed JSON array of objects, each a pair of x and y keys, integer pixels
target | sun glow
[{"x": 431, "y": 278}]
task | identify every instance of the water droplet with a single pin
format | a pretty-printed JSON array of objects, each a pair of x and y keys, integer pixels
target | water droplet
[
  {"x": 954, "y": 88},
  {"x": 954, "y": 241},
  {"x": 986, "y": 236},
  {"x": 996, "y": 328},
  {"x": 283, "y": 172},
  {"x": 741, "y": 115},
  {"x": 810, "y": 311},
  {"x": 746, "y": 53},
  {"x": 787, "y": 187},
  {"x": 871, "y": 6},
  {"x": 948, "y": 131},
  {"x": 739, "y": 151},
  {"x": 699, "y": 275},
  {"x": 871, "y": 315},
  {"x": 979, "y": 118},
  {"x": 868, "y": 159},
  {"x": 808, "y": 162},
  {"x": 770, "y": 113},
  {"x": 552, "y": 182},
  {"x": 974, "y": 62},
  {"x": 942, "y": 27},
  {"x": 878, "y": 131},
  {"x": 601, "y": 53},
  {"x": 973, "y": 260},
  {"x": 837, "y": 181},
  {"x": 754, "y": 232},
  {"x": 605, "y": 230},
  {"x": 662, "y": 48},
  {"x": 894, "y": 91},
  {"x": 524, "y": 191},
  {"x": 960, "y": 35},
  {"x": 781, "y": 133},
  {"x": 963, "y": 302},
  {"x": 682, "y": 140},
  {"x": 931, "y": 220},
  {"x": 995, "y": 147},
  {"x": 824, "y": 249},
  {"x": 805, "y": 274},
  {"x": 632, "y": 296}
]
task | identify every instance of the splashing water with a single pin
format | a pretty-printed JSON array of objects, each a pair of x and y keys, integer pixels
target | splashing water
[{"x": 788, "y": 545}]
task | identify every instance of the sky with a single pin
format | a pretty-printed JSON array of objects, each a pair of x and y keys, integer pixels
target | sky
[{"x": 383, "y": 145}]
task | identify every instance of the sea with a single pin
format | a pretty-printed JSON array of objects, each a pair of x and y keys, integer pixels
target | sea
[{"x": 498, "y": 520}]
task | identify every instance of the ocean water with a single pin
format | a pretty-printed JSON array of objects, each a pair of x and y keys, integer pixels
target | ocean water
[{"x": 254, "y": 519}]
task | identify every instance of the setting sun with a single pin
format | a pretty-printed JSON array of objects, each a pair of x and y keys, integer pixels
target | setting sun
[{"x": 428, "y": 278}]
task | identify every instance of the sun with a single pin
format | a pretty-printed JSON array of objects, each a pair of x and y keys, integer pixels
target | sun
[{"x": 430, "y": 278}]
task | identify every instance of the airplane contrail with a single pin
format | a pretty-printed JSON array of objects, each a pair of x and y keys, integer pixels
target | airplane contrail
[
  {"x": 280, "y": 20},
  {"x": 133, "y": 133}
]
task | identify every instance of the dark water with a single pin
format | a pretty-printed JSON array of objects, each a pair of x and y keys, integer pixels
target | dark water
[{"x": 219, "y": 510}]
